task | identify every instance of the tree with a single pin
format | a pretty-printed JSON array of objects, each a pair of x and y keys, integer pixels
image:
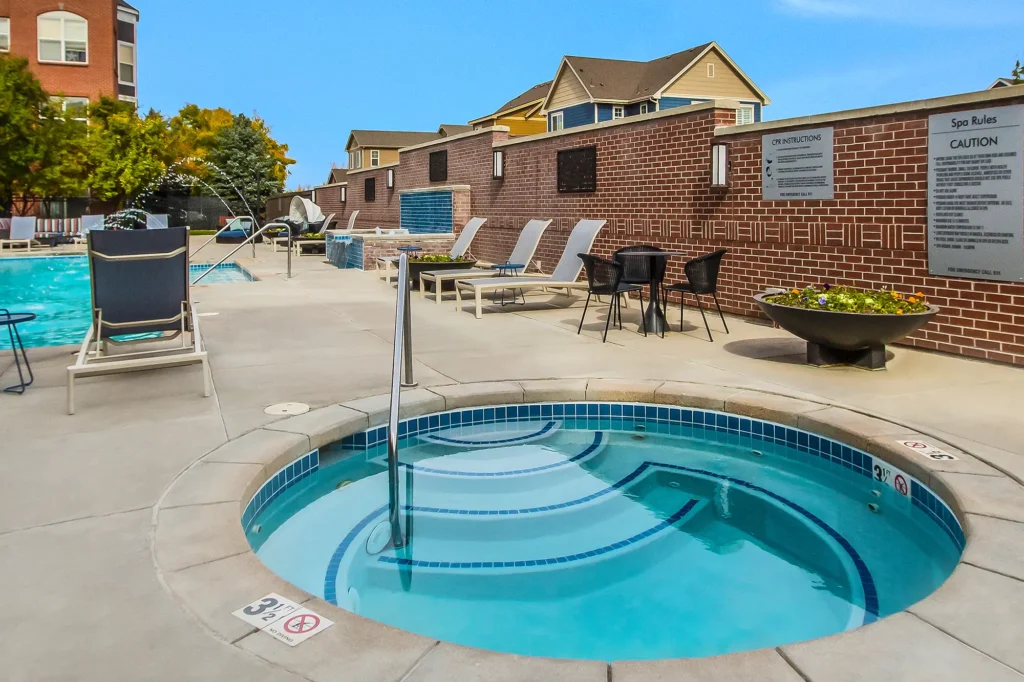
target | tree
[
  {"x": 248, "y": 163},
  {"x": 1018, "y": 74},
  {"x": 128, "y": 153},
  {"x": 194, "y": 134}
]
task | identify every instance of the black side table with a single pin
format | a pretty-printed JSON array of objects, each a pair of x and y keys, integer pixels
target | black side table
[{"x": 11, "y": 320}]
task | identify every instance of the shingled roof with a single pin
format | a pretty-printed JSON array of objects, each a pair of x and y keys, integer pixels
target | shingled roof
[
  {"x": 388, "y": 139},
  {"x": 535, "y": 94}
]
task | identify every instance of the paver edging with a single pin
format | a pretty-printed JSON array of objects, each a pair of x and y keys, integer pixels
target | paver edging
[{"x": 742, "y": 401}]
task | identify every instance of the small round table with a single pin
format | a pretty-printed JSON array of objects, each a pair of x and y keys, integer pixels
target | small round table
[
  {"x": 11, "y": 321},
  {"x": 654, "y": 316},
  {"x": 508, "y": 270}
]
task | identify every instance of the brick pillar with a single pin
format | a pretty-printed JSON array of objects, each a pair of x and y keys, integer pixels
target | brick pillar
[{"x": 460, "y": 208}]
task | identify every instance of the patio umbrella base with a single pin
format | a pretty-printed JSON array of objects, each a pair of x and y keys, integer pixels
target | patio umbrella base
[{"x": 825, "y": 356}]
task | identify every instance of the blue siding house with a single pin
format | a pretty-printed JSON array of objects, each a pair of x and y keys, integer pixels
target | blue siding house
[{"x": 588, "y": 90}]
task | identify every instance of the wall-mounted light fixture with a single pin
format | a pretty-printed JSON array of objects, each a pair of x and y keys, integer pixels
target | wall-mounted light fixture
[
  {"x": 344, "y": 194},
  {"x": 499, "y": 164},
  {"x": 391, "y": 178},
  {"x": 719, "y": 165}
]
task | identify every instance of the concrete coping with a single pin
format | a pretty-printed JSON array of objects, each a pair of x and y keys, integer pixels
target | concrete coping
[
  {"x": 981, "y": 97},
  {"x": 355, "y": 171},
  {"x": 439, "y": 188},
  {"x": 969, "y": 628},
  {"x": 453, "y": 138}
]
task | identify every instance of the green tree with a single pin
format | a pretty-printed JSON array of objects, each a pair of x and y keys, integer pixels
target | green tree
[
  {"x": 128, "y": 152},
  {"x": 1018, "y": 74},
  {"x": 249, "y": 161}
]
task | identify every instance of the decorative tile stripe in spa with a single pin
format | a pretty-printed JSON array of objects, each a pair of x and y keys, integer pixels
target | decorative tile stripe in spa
[
  {"x": 599, "y": 440},
  {"x": 632, "y": 540},
  {"x": 548, "y": 427},
  {"x": 278, "y": 483}
]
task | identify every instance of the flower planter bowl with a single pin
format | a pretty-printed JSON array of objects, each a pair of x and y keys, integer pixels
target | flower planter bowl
[
  {"x": 416, "y": 267},
  {"x": 835, "y": 338}
]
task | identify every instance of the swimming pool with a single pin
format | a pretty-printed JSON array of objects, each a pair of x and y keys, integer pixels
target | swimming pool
[
  {"x": 607, "y": 531},
  {"x": 56, "y": 289}
]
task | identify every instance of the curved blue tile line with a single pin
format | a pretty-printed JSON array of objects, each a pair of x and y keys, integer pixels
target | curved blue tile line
[
  {"x": 331, "y": 576},
  {"x": 867, "y": 582},
  {"x": 503, "y": 441},
  {"x": 661, "y": 525},
  {"x": 598, "y": 439}
]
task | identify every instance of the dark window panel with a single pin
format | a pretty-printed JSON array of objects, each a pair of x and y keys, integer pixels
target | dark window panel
[{"x": 577, "y": 170}]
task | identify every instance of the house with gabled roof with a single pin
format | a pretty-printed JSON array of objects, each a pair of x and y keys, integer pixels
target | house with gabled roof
[
  {"x": 522, "y": 114},
  {"x": 372, "y": 148},
  {"x": 589, "y": 90}
]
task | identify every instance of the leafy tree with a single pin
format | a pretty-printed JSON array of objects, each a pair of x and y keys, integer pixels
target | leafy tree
[
  {"x": 1018, "y": 74},
  {"x": 128, "y": 153},
  {"x": 194, "y": 134},
  {"x": 249, "y": 161}
]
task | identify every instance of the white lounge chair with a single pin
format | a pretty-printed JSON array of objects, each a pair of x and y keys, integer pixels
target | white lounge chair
[
  {"x": 23, "y": 232},
  {"x": 522, "y": 254},
  {"x": 565, "y": 275},
  {"x": 140, "y": 285},
  {"x": 297, "y": 244},
  {"x": 459, "y": 249},
  {"x": 89, "y": 223},
  {"x": 283, "y": 241},
  {"x": 157, "y": 221}
]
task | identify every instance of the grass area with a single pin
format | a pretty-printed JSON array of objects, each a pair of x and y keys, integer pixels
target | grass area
[{"x": 202, "y": 233}]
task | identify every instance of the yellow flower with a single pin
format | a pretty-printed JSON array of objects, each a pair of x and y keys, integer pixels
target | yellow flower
[
  {"x": 796, "y": 291},
  {"x": 920, "y": 295},
  {"x": 899, "y": 311},
  {"x": 912, "y": 299}
]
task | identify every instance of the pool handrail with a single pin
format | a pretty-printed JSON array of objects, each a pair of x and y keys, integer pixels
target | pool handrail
[
  {"x": 223, "y": 229},
  {"x": 256, "y": 233},
  {"x": 402, "y": 355}
]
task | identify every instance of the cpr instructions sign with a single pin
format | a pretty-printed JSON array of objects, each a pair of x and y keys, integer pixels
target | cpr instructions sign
[
  {"x": 976, "y": 194},
  {"x": 798, "y": 165}
]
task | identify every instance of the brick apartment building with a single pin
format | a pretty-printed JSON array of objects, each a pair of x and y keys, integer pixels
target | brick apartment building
[{"x": 79, "y": 49}]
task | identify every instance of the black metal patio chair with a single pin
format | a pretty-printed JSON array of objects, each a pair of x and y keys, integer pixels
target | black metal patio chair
[
  {"x": 701, "y": 278},
  {"x": 640, "y": 269},
  {"x": 604, "y": 278}
]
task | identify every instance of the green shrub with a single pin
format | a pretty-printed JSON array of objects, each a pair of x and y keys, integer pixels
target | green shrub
[
  {"x": 850, "y": 300},
  {"x": 202, "y": 233}
]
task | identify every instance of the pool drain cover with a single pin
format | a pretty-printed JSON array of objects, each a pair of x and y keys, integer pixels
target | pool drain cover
[{"x": 288, "y": 408}]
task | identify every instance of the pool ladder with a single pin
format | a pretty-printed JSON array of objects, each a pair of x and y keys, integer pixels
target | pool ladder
[
  {"x": 250, "y": 239},
  {"x": 402, "y": 356}
]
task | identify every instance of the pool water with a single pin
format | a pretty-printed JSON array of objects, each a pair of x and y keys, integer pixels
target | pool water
[
  {"x": 56, "y": 289},
  {"x": 607, "y": 539}
]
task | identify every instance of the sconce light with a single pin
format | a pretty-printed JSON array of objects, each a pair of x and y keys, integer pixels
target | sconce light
[
  {"x": 344, "y": 194},
  {"x": 391, "y": 178},
  {"x": 719, "y": 165},
  {"x": 499, "y": 164}
]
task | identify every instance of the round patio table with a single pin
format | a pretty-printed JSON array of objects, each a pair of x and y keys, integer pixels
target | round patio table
[
  {"x": 654, "y": 316},
  {"x": 11, "y": 321},
  {"x": 508, "y": 270}
]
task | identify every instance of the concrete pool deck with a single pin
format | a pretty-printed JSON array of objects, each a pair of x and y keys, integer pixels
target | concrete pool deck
[{"x": 79, "y": 495}]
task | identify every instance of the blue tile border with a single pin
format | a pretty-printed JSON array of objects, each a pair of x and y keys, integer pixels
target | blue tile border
[{"x": 275, "y": 485}]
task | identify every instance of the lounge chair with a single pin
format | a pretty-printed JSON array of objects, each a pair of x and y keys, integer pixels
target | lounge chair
[
  {"x": 157, "y": 221},
  {"x": 297, "y": 244},
  {"x": 89, "y": 223},
  {"x": 140, "y": 285},
  {"x": 459, "y": 249},
  {"x": 283, "y": 241},
  {"x": 522, "y": 254},
  {"x": 565, "y": 275},
  {"x": 23, "y": 232}
]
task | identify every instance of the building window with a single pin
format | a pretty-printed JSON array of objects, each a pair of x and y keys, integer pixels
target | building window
[
  {"x": 618, "y": 112},
  {"x": 125, "y": 63},
  {"x": 63, "y": 37},
  {"x": 374, "y": 158},
  {"x": 643, "y": 108},
  {"x": 744, "y": 115},
  {"x": 5, "y": 34},
  {"x": 557, "y": 121},
  {"x": 711, "y": 70},
  {"x": 439, "y": 166},
  {"x": 73, "y": 108},
  {"x": 577, "y": 170},
  {"x": 355, "y": 159},
  {"x": 370, "y": 189}
]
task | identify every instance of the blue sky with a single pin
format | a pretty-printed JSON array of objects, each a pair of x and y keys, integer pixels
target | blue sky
[{"x": 316, "y": 69}]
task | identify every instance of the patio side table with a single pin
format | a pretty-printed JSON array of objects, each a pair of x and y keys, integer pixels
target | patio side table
[
  {"x": 655, "y": 316},
  {"x": 11, "y": 321},
  {"x": 508, "y": 270}
]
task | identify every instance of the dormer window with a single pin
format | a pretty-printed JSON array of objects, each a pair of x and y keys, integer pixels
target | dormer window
[
  {"x": 618, "y": 112},
  {"x": 63, "y": 37}
]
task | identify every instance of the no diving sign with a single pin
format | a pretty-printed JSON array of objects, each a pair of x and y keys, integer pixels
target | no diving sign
[
  {"x": 283, "y": 619},
  {"x": 928, "y": 450}
]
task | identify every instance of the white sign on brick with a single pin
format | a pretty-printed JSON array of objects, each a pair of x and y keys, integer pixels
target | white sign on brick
[{"x": 798, "y": 165}]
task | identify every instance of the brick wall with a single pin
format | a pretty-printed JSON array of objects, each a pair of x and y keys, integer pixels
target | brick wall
[
  {"x": 653, "y": 188},
  {"x": 328, "y": 198},
  {"x": 382, "y": 211},
  {"x": 91, "y": 80}
]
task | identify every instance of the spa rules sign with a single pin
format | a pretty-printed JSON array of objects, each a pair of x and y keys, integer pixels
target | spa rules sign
[{"x": 976, "y": 194}]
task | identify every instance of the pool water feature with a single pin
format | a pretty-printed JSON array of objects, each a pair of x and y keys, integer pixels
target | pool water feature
[
  {"x": 56, "y": 289},
  {"x": 607, "y": 531}
]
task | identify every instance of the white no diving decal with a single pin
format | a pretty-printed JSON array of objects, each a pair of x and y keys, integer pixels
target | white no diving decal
[
  {"x": 927, "y": 450},
  {"x": 283, "y": 619}
]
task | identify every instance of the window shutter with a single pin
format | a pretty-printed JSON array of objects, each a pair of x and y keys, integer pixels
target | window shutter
[{"x": 577, "y": 170}]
